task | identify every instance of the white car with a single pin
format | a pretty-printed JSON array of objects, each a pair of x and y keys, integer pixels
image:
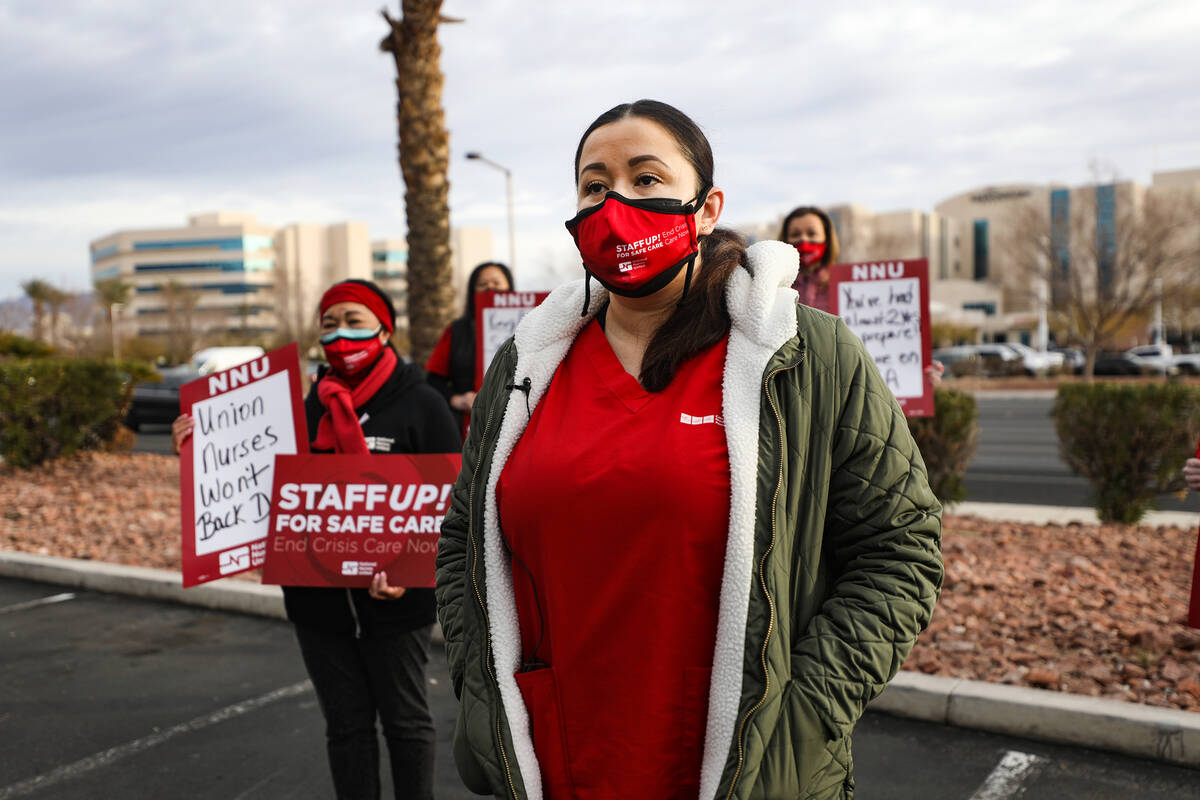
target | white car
[
  {"x": 1035, "y": 361},
  {"x": 215, "y": 359},
  {"x": 1187, "y": 363},
  {"x": 1158, "y": 359}
]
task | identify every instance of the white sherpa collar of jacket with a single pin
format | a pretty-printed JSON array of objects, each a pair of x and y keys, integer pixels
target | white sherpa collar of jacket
[{"x": 762, "y": 309}]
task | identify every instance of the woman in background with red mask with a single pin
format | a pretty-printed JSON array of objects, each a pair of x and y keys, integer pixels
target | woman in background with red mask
[
  {"x": 366, "y": 649},
  {"x": 451, "y": 365},
  {"x": 692, "y": 536},
  {"x": 811, "y": 232}
]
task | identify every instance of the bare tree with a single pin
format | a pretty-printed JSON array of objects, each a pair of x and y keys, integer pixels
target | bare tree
[
  {"x": 424, "y": 161},
  {"x": 181, "y": 331},
  {"x": 1103, "y": 272}
]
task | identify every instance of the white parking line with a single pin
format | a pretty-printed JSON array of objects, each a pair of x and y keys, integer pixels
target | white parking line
[
  {"x": 44, "y": 601},
  {"x": 1008, "y": 776},
  {"x": 107, "y": 757}
]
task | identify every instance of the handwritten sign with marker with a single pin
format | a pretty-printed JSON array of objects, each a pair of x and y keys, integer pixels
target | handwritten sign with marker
[
  {"x": 244, "y": 417},
  {"x": 496, "y": 318},
  {"x": 886, "y": 304},
  {"x": 336, "y": 520}
]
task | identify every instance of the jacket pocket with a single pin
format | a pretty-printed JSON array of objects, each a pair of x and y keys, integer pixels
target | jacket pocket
[
  {"x": 539, "y": 689},
  {"x": 693, "y": 725}
]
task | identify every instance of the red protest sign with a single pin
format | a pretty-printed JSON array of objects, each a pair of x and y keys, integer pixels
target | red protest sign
[
  {"x": 244, "y": 417},
  {"x": 336, "y": 520},
  {"x": 886, "y": 304},
  {"x": 496, "y": 318},
  {"x": 1194, "y": 606}
]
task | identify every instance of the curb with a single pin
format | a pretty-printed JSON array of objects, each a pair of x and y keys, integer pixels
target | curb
[
  {"x": 1131, "y": 729},
  {"x": 1063, "y": 515},
  {"x": 238, "y": 597}
]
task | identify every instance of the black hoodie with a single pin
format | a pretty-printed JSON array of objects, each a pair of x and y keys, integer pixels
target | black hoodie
[{"x": 406, "y": 415}]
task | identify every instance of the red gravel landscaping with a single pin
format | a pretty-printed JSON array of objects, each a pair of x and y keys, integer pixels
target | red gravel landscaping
[{"x": 1087, "y": 609}]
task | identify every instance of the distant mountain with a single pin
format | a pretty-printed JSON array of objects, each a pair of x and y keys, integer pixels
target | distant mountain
[{"x": 16, "y": 315}]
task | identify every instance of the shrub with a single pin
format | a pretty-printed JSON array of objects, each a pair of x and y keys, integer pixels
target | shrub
[
  {"x": 947, "y": 442},
  {"x": 1130, "y": 442},
  {"x": 17, "y": 346},
  {"x": 52, "y": 407}
]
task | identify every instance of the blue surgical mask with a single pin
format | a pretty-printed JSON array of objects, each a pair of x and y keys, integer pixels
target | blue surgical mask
[{"x": 352, "y": 334}]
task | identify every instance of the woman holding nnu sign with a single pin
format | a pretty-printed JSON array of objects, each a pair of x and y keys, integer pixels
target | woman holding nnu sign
[
  {"x": 692, "y": 536},
  {"x": 811, "y": 231},
  {"x": 366, "y": 649}
]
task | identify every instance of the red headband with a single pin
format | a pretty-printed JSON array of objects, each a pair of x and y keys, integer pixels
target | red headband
[{"x": 349, "y": 292}]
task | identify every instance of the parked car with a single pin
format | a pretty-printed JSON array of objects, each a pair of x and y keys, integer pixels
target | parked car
[
  {"x": 215, "y": 359},
  {"x": 960, "y": 360},
  {"x": 157, "y": 402},
  {"x": 1187, "y": 363},
  {"x": 998, "y": 360},
  {"x": 1117, "y": 364},
  {"x": 1037, "y": 363},
  {"x": 1158, "y": 359},
  {"x": 1073, "y": 359}
]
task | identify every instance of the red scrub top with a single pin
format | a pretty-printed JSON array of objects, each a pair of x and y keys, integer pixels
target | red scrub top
[{"x": 615, "y": 504}]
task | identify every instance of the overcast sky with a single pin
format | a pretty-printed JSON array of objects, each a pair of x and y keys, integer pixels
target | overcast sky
[{"x": 128, "y": 113}]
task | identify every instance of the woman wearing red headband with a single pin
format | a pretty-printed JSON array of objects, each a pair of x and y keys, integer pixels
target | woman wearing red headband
[
  {"x": 692, "y": 537},
  {"x": 366, "y": 649}
]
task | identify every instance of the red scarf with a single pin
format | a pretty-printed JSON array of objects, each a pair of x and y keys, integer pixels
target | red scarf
[{"x": 338, "y": 429}]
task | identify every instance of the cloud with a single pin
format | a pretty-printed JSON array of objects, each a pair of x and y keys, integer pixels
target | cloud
[{"x": 133, "y": 114}]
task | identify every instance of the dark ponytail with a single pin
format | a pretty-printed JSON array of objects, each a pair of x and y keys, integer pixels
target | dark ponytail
[{"x": 702, "y": 319}]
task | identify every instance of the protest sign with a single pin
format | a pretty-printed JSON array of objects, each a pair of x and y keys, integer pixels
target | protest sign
[
  {"x": 336, "y": 520},
  {"x": 1193, "y": 619},
  {"x": 244, "y": 417},
  {"x": 886, "y": 304},
  {"x": 496, "y": 318}
]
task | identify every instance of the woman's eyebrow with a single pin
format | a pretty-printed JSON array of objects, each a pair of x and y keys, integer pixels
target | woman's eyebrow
[
  {"x": 597, "y": 166},
  {"x": 633, "y": 162}
]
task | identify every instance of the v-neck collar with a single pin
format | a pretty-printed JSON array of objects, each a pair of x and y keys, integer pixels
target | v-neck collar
[{"x": 609, "y": 369}]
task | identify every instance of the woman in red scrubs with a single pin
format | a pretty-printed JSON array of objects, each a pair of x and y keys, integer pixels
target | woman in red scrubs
[{"x": 692, "y": 536}]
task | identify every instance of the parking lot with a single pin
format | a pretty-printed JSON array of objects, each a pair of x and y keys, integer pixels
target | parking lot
[{"x": 106, "y": 696}]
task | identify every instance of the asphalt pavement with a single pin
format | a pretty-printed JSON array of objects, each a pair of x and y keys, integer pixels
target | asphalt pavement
[{"x": 110, "y": 696}]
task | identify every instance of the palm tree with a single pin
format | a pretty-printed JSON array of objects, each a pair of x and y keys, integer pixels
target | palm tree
[
  {"x": 424, "y": 161},
  {"x": 40, "y": 292},
  {"x": 109, "y": 293},
  {"x": 56, "y": 299}
]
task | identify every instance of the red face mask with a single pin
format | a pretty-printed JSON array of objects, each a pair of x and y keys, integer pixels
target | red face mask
[
  {"x": 810, "y": 252},
  {"x": 348, "y": 356},
  {"x": 636, "y": 247}
]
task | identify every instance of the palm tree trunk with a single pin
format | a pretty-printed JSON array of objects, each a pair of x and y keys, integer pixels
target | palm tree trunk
[{"x": 424, "y": 162}]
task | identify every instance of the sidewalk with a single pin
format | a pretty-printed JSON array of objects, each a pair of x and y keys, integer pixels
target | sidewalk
[{"x": 1128, "y": 728}]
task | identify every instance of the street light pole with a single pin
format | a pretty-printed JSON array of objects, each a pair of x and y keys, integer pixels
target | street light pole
[{"x": 508, "y": 191}]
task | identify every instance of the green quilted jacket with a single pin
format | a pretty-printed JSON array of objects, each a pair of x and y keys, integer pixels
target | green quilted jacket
[{"x": 833, "y": 559}]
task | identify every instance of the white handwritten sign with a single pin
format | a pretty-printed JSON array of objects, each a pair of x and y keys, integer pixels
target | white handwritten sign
[
  {"x": 887, "y": 306},
  {"x": 243, "y": 417},
  {"x": 496, "y": 317}
]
